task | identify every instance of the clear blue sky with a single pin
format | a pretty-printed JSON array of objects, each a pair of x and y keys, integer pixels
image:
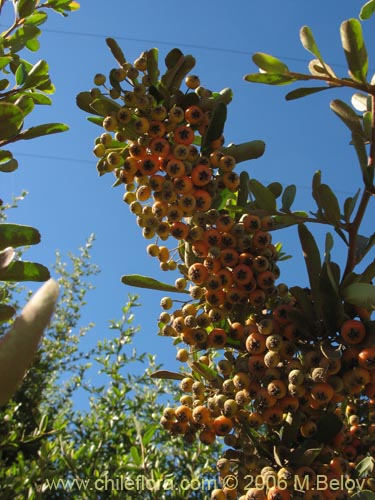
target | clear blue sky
[{"x": 67, "y": 200}]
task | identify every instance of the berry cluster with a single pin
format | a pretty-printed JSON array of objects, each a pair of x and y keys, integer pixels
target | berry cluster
[{"x": 287, "y": 404}]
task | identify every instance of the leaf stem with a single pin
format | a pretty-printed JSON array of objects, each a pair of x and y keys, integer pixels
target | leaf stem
[{"x": 336, "y": 82}]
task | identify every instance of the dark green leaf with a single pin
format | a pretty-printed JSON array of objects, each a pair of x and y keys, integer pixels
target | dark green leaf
[
  {"x": 328, "y": 426},
  {"x": 269, "y": 63},
  {"x": 146, "y": 282},
  {"x": 270, "y": 78},
  {"x": 288, "y": 197},
  {"x": 152, "y": 66},
  {"x": 369, "y": 273},
  {"x": 6, "y": 257},
  {"x": 84, "y": 100},
  {"x": 96, "y": 120},
  {"x": 6, "y": 312},
  {"x": 290, "y": 429},
  {"x": 303, "y": 92},
  {"x": 331, "y": 307},
  {"x": 4, "y": 84},
  {"x": 363, "y": 495},
  {"x": 264, "y": 198},
  {"x": 25, "y": 271},
  {"x": 39, "y": 98},
  {"x": 276, "y": 188},
  {"x": 173, "y": 57},
  {"x": 305, "y": 303},
  {"x": 166, "y": 374},
  {"x": 187, "y": 65},
  {"x": 348, "y": 116},
  {"x": 367, "y": 10},
  {"x": 216, "y": 127},
  {"x": 8, "y": 166},
  {"x": 360, "y": 294},
  {"x": 25, "y": 7},
  {"x": 41, "y": 130},
  {"x": 149, "y": 434},
  {"x": 243, "y": 191},
  {"x": 363, "y": 246},
  {"x": 358, "y": 142},
  {"x": 355, "y": 49},
  {"x": 328, "y": 246},
  {"x": 116, "y": 51},
  {"x": 329, "y": 204},
  {"x": 312, "y": 259},
  {"x": 11, "y": 120},
  {"x": 245, "y": 151},
  {"x": 15, "y": 235}
]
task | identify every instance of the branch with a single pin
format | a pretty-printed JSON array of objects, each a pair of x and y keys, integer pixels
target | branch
[{"x": 354, "y": 226}]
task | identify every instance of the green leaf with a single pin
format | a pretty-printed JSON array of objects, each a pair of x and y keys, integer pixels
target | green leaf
[
  {"x": 348, "y": 116},
  {"x": 204, "y": 370},
  {"x": 355, "y": 49},
  {"x": 173, "y": 57},
  {"x": 39, "y": 98},
  {"x": 269, "y": 63},
  {"x": 308, "y": 42},
  {"x": 328, "y": 246},
  {"x": 19, "y": 39},
  {"x": 24, "y": 271},
  {"x": 303, "y": 92},
  {"x": 15, "y": 235},
  {"x": 41, "y": 130},
  {"x": 290, "y": 429},
  {"x": 152, "y": 66},
  {"x": 288, "y": 197},
  {"x": 137, "y": 459},
  {"x": 20, "y": 75},
  {"x": 216, "y": 126},
  {"x": 6, "y": 312},
  {"x": 4, "y": 61},
  {"x": 38, "y": 75},
  {"x": 26, "y": 104},
  {"x": 369, "y": 273},
  {"x": 146, "y": 282},
  {"x": 149, "y": 434},
  {"x": 187, "y": 65},
  {"x": 11, "y": 120},
  {"x": 365, "y": 467},
  {"x": 39, "y": 17},
  {"x": 329, "y": 204},
  {"x": 116, "y": 51},
  {"x": 96, "y": 120},
  {"x": 367, "y": 124},
  {"x": 367, "y": 10},
  {"x": 270, "y": 78},
  {"x": 25, "y": 7},
  {"x": 104, "y": 106},
  {"x": 245, "y": 151},
  {"x": 7, "y": 162},
  {"x": 360, "y": 294},
  {"x": 312, "y": 259},
  {"x": 363, "y": 246},
  {"x": 316, "y": 68},
  {"x": 167, "y": 375},
  {"x": 264, "y": 198}
]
